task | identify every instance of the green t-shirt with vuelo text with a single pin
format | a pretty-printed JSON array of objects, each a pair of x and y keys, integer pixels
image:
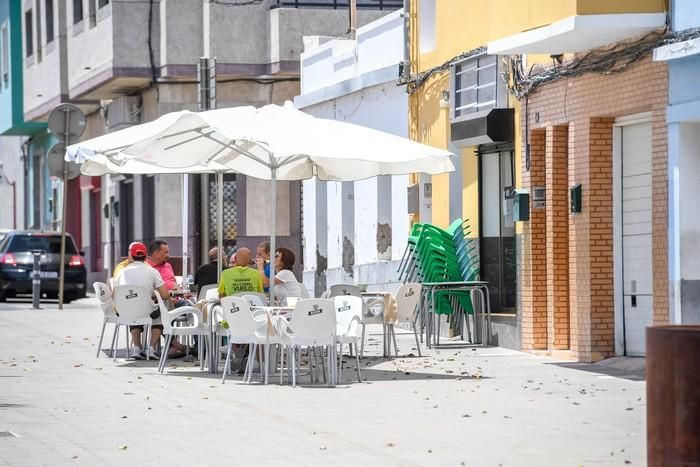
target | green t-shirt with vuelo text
[{"x": 239, "y": 279}]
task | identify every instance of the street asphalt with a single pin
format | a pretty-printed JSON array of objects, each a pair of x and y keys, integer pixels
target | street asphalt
[{"x": 59, "y": 405}]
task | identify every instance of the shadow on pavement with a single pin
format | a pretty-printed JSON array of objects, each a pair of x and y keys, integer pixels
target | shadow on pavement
[{"x": 631, "y": 375}]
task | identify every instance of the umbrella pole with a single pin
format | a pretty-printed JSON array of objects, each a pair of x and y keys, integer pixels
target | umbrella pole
[
  {"x": 273, "y": 233},
  {"x": 185, "y": 212},
  {"x": 219, "y": 220}
]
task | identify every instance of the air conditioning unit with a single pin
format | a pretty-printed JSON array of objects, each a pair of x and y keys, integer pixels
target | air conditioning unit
[{"x": 123, "y": 112}]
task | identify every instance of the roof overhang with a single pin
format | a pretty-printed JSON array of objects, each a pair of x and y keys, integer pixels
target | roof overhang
[
  {"x": 677, "y": 50},
  {"x": 578, "y": 33}
]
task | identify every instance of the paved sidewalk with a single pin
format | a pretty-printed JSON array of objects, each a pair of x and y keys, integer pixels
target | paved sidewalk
[{"x": 484, "y": 407}]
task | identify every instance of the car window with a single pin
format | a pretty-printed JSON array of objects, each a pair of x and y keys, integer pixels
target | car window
[{"x": 50, "y": 244}]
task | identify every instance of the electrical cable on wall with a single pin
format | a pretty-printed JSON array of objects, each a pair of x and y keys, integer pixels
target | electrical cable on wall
[{"x": 610, "y": 60}]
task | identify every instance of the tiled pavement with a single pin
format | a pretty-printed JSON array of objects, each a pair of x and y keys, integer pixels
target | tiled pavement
[{"x": 454, "y": 407}]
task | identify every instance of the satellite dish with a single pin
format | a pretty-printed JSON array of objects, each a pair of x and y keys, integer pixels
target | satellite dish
[
  {"x": 55, "y": 159},
  {"x": 67, "y": 121}
]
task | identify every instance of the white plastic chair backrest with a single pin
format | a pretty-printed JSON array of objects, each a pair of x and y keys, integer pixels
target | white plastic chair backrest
[
  {"x": 168, "y": 323},
  {"x": 349, "y": 314},
  {"x": 345, "y": 289},
  {"x": 204, "y": 290},
  {"x": 253, "y": 300},
  {"x": 211, "y": 294},
  {"x": 133, "y": 302},
  {"x": 314, "y": 320},
  {"x": 104, "y": 296},
  {"x": 241, "y": 324},
  {"x": 407, "y": 299},
  {"x": 326, "y": 294}
]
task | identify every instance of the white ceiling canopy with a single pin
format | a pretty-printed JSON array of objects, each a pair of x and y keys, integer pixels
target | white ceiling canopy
[{"x": 578, "y": 33}]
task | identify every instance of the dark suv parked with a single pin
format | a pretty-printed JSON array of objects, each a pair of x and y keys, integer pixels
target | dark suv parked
[{"x": 16, "y": 264}]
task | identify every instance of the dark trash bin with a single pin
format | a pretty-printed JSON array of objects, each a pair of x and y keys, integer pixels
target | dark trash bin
[{"x": 673, "y": 395}]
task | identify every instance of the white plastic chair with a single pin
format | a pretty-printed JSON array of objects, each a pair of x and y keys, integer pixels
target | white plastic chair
[
  {"x": 197, "y": 328},
  {"x": 256, "y": 303},
  {"x": 313, "y": 324},
  {"x": 407, "y": 308},
  {"x": 369, "y": 304},
  {"x": 204, "y": 290},
  {"x": 348, "y": 320},
  {"x": 134, "y": 307},
  {"x": 104, "y": 296},
  {"x": 243, "y": 328}
]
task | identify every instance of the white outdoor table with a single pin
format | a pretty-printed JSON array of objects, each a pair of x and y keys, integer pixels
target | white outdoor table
[{"x": 271, "y": 312}]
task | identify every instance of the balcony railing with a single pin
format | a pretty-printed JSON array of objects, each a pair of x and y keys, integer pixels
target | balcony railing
[{"x": 336, "y": 4}]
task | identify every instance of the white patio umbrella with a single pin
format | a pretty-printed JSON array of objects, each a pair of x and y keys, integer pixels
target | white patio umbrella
[{"x": 271, "y": 143}]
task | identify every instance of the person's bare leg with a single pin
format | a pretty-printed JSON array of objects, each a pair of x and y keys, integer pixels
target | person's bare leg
[
  {"x": 155, "y": 337},
  {"x": 135, "y": 337}
]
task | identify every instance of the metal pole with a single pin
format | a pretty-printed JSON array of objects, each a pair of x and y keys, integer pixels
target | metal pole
[
  {"x": 273, "y": 232},
  {"x": 220, "y": 221},
  {"x": 62, "y": 267},
  {"x": 352, "y": 4},
  {"x": 185, "y": 240},
  {"x": 36, "y": 280}
]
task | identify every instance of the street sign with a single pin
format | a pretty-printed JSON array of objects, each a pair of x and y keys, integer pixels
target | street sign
[
  {"x": 67, "y": 121},
  {"x": 55, "y": 159}
]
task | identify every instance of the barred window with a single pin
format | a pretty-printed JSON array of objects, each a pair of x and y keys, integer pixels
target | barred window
[{"x": 476, "y": 86}]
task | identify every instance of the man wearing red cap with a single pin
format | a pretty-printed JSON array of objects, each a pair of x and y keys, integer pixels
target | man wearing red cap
[{"x": 140, "y": 273}]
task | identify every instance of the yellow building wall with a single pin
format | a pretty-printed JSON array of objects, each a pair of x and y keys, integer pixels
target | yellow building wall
[{"x": 462, "y": 25}]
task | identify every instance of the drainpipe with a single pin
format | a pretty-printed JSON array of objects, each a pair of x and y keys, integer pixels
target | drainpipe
[
  {"x": 14, "y": 196},
  {"x": 407, "y": 32},
  {"x": 352, "y": 5}
]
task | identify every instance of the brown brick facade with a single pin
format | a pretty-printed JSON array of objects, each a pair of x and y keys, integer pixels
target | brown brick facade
[
  {"x": 557, "y": 243},
  {"x": 567, "y": 282}
]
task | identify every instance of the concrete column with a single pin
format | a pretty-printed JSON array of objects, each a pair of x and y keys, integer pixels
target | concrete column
[
  {"x": 534, "y": 255},
  {"x": 384, "y": 211},
  {"x": 348, "y": 230},
  {"x": 321, "y": 247},
  {"x": 557, "y": 245}
]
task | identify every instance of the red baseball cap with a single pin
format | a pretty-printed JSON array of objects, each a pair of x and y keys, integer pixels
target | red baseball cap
[{"x": 138, "y": 250}]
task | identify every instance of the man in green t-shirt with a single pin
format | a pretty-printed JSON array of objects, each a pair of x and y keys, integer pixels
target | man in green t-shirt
[{"x": 241, "y": 277}]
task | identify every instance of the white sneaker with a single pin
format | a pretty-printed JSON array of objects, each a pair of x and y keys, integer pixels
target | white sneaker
[
  {"x": 154, "y": 352},
  {"x": 136, "y": 353}
]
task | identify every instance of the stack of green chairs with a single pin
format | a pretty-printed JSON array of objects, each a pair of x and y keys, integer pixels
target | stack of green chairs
[{"x": 436, "y": 255}]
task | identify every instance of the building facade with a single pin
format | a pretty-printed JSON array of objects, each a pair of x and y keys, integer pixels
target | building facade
[
  {"x": 556, "y": 278},
  {"x": 129, "y": 62},
  {"x": 683, "y": 116},
  {"x": 20, "y": 178},
  {"x": 355, "y": 232}
]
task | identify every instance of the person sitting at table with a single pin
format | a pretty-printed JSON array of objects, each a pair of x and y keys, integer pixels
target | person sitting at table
[
  {"x": 159, "y": 253},
  {"x": 207, "y": 274},
  {"x": 120, "y": 266},
  {"x": 262, "y": 261},
  {"x": 139, "y": 273},
  {"x": 240, "y": 277},
  {"x": 286, "y": 284}
]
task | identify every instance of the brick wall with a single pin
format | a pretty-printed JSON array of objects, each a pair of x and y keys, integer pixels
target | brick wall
[
  {"x": 534, "y": 260},
  {"x": 557, "y": 234},
  {"x": 575, "y": 117}
]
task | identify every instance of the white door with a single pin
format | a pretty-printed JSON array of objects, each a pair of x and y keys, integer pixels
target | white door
[{"x": 637, "y": 271}]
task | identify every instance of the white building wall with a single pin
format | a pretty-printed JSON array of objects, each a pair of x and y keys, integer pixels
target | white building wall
[
  {"x": 354, "y": 81},
  {"x": 11, "y": 172}
]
